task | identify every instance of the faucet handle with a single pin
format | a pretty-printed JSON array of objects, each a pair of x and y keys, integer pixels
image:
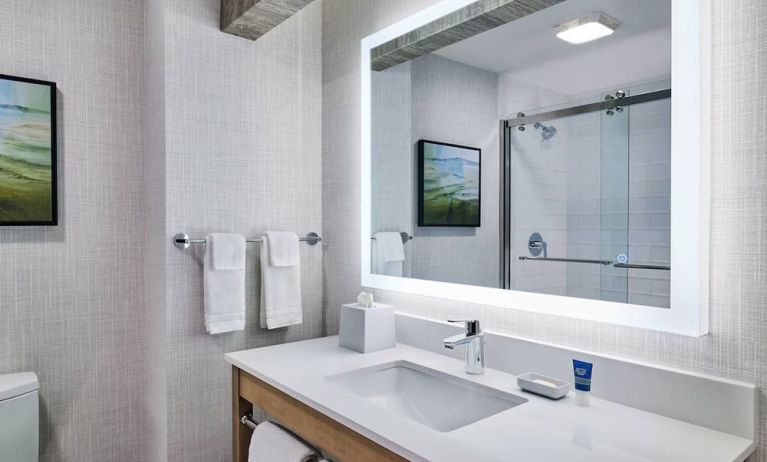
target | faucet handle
[{"x": 472, "y": 325}]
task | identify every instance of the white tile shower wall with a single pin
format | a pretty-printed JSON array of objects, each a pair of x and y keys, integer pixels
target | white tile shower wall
[
  {"x": 538, "y": 189},
  {"x": 584, "y": 218},
  {"x": 603, "y": 152},
  {"x": 242, "y": 154},
  {"x": 559, "y": 190},
  {"x": 71, "y": 307},
  {"x": 649, "y": 220},
  {"x": 737, "y": 345}
]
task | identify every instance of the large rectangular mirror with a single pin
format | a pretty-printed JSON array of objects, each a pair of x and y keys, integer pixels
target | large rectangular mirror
[{"x": 544, "y": 155}]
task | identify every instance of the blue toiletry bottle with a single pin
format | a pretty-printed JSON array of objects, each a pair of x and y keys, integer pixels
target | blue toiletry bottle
[{"x": 582, "y": 378}]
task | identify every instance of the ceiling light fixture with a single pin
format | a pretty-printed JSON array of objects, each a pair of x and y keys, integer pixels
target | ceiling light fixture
[{"x": 587, "y": 28}]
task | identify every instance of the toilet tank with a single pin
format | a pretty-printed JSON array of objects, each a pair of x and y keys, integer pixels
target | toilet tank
[{"x": 19, "y": 417}]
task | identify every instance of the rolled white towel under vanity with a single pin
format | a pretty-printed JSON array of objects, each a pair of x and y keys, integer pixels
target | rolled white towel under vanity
[{"x": 270, "y": 443}]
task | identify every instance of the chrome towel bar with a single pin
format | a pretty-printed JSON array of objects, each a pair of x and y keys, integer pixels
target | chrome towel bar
[
  {"x": 183, "y": 241},
  {"x": 405, "y": 237}
]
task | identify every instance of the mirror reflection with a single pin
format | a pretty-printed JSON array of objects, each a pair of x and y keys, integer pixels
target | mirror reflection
[{"x": 534, "y": 156}]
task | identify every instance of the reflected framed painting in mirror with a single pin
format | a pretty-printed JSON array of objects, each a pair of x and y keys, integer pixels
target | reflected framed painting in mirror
[
  {"x": 27, "y": 152},
  {"x": 449, "y": 185}
]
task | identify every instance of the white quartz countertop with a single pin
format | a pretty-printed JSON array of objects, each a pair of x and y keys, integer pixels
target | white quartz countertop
[{"x": 539, "y": 430}]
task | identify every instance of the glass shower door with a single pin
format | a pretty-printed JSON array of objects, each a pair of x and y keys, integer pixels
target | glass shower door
[
  {"x": 566, "y": 204},
  {"x": 614, "y": 201}
]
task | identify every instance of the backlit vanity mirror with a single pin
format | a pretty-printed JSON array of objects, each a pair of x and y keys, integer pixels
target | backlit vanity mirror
[{"x": 544, "y": 155}]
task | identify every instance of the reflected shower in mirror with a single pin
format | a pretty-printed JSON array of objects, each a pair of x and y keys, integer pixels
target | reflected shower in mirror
[{"x": 540, "y": 150}]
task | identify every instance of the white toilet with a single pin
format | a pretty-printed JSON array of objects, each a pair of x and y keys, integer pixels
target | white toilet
[{"x": 19, "y": 417}]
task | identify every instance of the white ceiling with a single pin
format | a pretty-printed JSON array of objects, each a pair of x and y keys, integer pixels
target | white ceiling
[{"x": 527, "y": 49}]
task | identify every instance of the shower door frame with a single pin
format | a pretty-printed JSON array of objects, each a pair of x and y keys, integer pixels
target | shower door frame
[{"x": 505, "y": 183}]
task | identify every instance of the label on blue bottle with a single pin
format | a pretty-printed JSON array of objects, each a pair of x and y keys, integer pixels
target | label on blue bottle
[{"x": 582, "y": 373}]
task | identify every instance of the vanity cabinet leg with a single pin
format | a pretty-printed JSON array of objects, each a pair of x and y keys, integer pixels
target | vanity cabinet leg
[{"x": 240, "y": 433}]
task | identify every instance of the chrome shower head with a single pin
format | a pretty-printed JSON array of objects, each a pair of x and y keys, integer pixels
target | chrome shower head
[{"x": 547, "y": 131}]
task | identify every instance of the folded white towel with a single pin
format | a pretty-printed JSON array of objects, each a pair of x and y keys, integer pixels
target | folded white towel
[
  {"x": 227, "y": 251},
  {"x": 388, "y": 254},
  {"x": 270, "y": 443},
  {"x": 224, "y": 283},
  {"x": 280, "y": 289},
  {"x": 283, "y": 248}
]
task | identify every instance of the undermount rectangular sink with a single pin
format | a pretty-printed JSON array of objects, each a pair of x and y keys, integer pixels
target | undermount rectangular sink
[{"x": 440, "y": 401}]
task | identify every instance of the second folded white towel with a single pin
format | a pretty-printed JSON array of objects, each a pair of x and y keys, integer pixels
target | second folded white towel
[
  {"x": 224, "y": 283},
  {"x": 280, "y": 281}
]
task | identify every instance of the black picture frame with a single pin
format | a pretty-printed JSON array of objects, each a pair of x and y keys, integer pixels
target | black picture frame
[
  {"x": 54, "y": 221},
  {"x": 422, "y": 221}
]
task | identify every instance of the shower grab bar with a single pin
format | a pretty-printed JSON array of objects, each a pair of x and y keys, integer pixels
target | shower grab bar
[
  {"x": 568, "y": 260},
  {"x": 600, "y": 262},
  {"x": 638, "y": 266}
]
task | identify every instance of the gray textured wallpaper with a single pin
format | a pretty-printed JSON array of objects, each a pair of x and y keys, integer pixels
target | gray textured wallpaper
[
  {"x": 71, "y": 296},
  {"x": 455, "y": 103},
  {"x": 233, "y": 143},
  {"x": 154, "y": 396},
  {"x": 434, "y": 98},
  {"x": 243, "y": 154},
  {"x": 737, "y": 345}
]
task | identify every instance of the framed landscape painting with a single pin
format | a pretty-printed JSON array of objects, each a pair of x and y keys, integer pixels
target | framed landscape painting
[
  {"x": 449, "y": 185},
  {"x": 27, "y": 152}
]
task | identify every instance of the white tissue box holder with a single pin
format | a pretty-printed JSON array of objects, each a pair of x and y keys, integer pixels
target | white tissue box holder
[{"x": 366, "y": 329}]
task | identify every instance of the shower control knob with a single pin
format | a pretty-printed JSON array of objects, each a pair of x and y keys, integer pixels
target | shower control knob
[{"x": 620, "y": 94}]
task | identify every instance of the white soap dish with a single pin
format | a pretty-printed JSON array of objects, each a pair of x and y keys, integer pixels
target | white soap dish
[{"x": 543, "y": 385}]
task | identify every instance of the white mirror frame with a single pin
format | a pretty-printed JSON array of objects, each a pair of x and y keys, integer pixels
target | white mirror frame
[{"x": 690, "y": 191}]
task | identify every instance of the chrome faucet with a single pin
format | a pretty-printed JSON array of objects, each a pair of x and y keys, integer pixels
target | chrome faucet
[{"x": 474, "y": 339}]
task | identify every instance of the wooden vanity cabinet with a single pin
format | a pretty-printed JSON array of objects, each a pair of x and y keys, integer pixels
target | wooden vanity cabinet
[{"x": 337, "y": 441}]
